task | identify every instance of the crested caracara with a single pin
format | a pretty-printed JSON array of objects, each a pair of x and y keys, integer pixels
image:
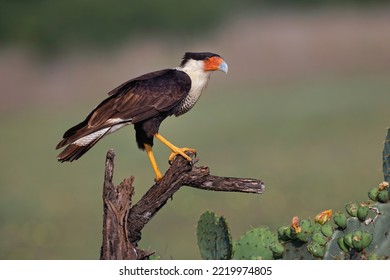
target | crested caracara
[{"x": 145, "y": 102}]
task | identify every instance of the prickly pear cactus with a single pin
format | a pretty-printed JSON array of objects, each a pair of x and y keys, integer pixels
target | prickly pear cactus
[
  {"x": 364, "y": 235},
  {"x": 306, "y": 239},
  {"x": 255, "y": 244},
  {"x": 214, "y": 239},
  {"x": 361, "y": 232}
]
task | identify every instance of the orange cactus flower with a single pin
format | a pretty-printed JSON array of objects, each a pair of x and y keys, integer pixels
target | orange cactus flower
[
  {"x": 323, "y": 217},
  {"x": 295, "y": 224}
]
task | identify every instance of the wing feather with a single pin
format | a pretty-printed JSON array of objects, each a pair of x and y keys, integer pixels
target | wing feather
[
  {"x": 143, "y": 97},
  {"x": 134, "y": 101}
]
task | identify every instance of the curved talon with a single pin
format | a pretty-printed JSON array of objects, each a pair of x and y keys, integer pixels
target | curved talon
[
  {"x": 181, "y": 151},
  {"x": 175, "y": 150}
]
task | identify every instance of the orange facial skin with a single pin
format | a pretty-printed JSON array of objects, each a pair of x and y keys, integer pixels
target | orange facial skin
[{"x": 213, "y": 63}]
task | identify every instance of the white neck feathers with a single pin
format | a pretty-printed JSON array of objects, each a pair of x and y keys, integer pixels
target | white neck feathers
[{"x": 199, "y": 79}]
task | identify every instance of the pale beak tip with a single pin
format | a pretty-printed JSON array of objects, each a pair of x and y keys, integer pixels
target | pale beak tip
[{"x": 223, "y": 67}]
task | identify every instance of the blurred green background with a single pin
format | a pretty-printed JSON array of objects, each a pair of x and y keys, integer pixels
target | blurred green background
[{"x": 304, "y": 107}]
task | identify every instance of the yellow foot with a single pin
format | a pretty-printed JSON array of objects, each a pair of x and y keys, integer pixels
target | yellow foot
[{"x": 181, "y": 151}]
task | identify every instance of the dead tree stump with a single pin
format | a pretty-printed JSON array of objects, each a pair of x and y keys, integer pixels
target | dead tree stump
[{"x": 123, "y": 223}]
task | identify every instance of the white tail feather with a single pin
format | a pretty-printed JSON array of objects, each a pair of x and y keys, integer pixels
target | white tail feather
[{"x": 84, "y": 141}]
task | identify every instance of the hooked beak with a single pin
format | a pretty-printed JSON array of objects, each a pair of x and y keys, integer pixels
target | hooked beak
[{"x": 223, "y": 67}]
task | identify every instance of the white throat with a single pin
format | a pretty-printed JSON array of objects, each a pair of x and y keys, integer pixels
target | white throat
[{"x": 199, "y": 80}]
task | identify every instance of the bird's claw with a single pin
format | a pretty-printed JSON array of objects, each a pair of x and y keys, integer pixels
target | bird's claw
[{"x": 182, "y": 152}]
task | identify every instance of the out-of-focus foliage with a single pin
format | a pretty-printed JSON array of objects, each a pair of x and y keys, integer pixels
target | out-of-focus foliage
[
  {"x": 316, "y": 3},
  {"x": 54, "y": 25},
  {"x": 51, "y": 24}
]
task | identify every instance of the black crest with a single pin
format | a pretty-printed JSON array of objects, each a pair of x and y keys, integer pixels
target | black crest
[{"x": 197, "y": 56}]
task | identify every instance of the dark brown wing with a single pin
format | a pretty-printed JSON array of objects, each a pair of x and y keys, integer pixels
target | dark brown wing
[
  {"x": 147, "y": 76},
  {"x": 144, "y": 97},
  {"x": 134, "y": 101}
]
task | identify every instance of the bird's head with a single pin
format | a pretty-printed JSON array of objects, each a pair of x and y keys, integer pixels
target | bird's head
[{"x": 204, "y": 61}]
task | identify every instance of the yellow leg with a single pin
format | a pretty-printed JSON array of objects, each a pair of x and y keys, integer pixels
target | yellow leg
[
  {"x": 149, "y": 152},
  {"x": 175, "y": 150}
]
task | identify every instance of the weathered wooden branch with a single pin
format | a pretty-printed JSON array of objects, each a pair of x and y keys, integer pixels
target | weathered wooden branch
[
  {"x": 122, "y": 223},
  {"x": 116, "y": 206}
]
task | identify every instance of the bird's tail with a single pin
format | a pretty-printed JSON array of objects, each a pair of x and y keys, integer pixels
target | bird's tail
[
  {"x": 82, "y": 137},
  {"x": 77, "y": 148},
  {"x": 73, "y": 152}
]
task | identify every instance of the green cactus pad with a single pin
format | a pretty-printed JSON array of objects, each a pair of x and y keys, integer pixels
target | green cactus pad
[
  {"x": 255, "y": 244},
  {"x": 277, "y": 249},
  {"x": 327, "y": 230},
  {"x": 282, "y": 233},
  {"x": 303, "y": 236},
  {"x": 357, "y": 240},
  {"x": 342, "y": 245},
  {"x": 214, "y": 239},
  {"x": 383, "y": 196},
  {"x": 340, "y": 220},
  {"x": 319, "y": 238},
  {"x": 315, "y": 228},
  {"x": 305, "y": 225},
  {"x": 367, "y": 239},
  {"x": 362, "y": 212},
  {"x": 373, "y": 194},
  {"x": 352, "y": 208},
  {"x": 316, "y": 249}
]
